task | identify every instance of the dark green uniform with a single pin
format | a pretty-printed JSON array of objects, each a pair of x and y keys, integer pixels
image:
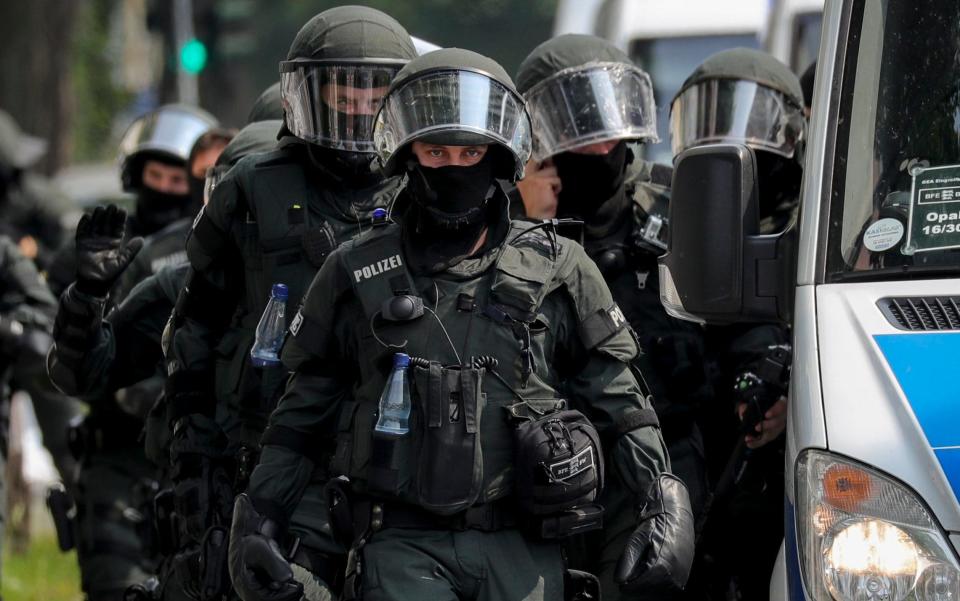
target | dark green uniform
[
  {"x": 274, "y": 218},
  {"x": 341, "y": 364},
  {"x": 622, "y": 202},
  {"x": 116, "y": 483}
]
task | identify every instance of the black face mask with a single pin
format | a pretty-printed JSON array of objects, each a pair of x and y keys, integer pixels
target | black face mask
[
  {"x": 589, "y": 180},
  {"x": 780, "y": 180},
  {"x": 453, "y": 198},
  {"x": 156, "y": 209},
  {"x": 345, "y": 165}
]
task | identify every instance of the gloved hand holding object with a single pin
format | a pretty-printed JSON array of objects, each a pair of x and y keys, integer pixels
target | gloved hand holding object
[
  {"x": 258, "y": 568},
  {"x": 659, "y": 554}
]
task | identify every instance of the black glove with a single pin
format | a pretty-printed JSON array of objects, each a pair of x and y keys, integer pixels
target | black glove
[
  {"x": 258, "y": 569},
  {"x": 659, "y": 554},
  {"x": 102, "y": 255}
]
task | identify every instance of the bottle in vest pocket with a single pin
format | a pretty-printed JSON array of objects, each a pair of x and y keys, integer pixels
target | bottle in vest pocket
[
  {"x": 394, "y": 418},
  {"x": 271, "y": 329}
]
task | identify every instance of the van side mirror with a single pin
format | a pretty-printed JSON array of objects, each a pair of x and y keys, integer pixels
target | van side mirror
[{"x": 719, "y": 268}]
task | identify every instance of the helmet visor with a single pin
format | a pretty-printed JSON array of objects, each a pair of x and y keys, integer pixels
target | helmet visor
[
  {"x": 595, "y": 103},
  {"x": 735, "y": 111},
  {"x": 169, "y": 131},
  {"x": 453, "y": 102},
  {"x": 333, "y": 105}
]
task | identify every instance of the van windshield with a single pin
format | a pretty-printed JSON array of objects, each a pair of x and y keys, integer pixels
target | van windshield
[
  {"x": 895, "y": 210},
  {"x": 669, "y": 61}
]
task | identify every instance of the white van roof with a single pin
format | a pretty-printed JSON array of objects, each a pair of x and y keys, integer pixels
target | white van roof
[{"x": 622, "y": 21}]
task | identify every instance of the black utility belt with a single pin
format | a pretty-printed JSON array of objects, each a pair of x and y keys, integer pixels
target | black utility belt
[{"x": 489, "y": 517}]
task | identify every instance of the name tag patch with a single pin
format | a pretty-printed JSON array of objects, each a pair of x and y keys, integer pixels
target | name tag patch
[
  {"x": 378, "y": 268},
  {"x": 564, "y": 470}
]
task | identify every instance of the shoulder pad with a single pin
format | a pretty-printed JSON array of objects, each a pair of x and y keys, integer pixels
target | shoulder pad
[
  {"x": 283, "y": 155},
  {"x": 526, "y": 235}
]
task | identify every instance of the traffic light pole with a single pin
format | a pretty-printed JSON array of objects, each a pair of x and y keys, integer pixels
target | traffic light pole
[{"x": 187, "y": 89}]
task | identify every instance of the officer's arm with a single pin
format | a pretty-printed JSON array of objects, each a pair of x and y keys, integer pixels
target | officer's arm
[
  {"x": 600, "y": 378},
  {"x": 92, "y": 356},
  {"x": 302, "y": 428},
  {"x": 205, "y": 307}
]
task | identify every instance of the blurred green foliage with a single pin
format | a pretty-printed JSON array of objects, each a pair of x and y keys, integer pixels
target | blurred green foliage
[
  {"x": 97, "y": 99},
  {"x": 247, "y": 39},
  {"x": 42, "y": 573}
]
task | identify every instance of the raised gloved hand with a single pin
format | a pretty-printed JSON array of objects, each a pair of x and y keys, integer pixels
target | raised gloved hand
[
  {"x": 102, "y": 254},
  {"x": 659, "y": 554},
  {"x": 258, "y": 569}
]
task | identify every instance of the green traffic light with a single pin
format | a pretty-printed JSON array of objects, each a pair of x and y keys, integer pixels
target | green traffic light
[{"x": 193, "y": 56}]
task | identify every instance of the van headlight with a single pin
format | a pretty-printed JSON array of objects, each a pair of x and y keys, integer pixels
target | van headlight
[{"x": 866, "y": 537}]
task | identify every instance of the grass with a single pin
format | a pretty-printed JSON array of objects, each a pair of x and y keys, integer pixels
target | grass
[{"x": 42, "y": 573}]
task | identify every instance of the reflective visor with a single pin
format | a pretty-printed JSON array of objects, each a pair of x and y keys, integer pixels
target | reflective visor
[
  {"x": 169, "y": 130},
  {"x": 735, "y": 111},
  {"x": 453, "y": 101},
  {"x": 595, "y": 103},
  {"x": 333, "y": 105}
]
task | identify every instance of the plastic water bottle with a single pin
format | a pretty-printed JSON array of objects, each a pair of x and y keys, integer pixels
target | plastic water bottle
[
  {"x": 394, "y": 416},
  {"x": 271, "y": 329}
]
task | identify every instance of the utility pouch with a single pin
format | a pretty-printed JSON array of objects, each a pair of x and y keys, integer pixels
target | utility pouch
[
  {"x": 214, "y": 575},
  {"x": 559, "y": 462},
  {"x": 450, "y": 402},
  {"x": 64, "y": 512}
]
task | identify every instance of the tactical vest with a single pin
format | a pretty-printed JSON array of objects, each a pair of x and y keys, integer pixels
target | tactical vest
[
  {"x": 289, "y": 227},
  {"x": 490, "y": 314}
]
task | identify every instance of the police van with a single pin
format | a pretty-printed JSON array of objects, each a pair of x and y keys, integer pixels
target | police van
[{"x": 873, "y": 436}]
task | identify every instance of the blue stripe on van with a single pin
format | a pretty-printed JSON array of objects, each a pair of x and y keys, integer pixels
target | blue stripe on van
[{"x": 925, "y": 366}]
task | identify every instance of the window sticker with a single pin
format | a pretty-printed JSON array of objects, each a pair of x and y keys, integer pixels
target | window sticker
[
  {"x": 934, "y": 209},
  {"x": 883, "y": 235}
]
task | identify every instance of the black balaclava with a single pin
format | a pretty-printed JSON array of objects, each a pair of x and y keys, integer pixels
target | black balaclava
[
  {"x": 450, "y": 208},
  {"x": 453, "y": 198},
  {"x": 353, "y": 168},
  {"x": 589, "y": 180},
  {"x": 154, "y": 209}
]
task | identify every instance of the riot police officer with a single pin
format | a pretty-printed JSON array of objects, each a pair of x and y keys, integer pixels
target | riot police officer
[
  {"x": 273, "y": 219},
  {"x": 115, "y": 483},
  {"x": 503, "y": 330},
  {"x": 743, "y": 96},
  {"x": 124, "y": 348},
  {"x": 590, "y": 106}
]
